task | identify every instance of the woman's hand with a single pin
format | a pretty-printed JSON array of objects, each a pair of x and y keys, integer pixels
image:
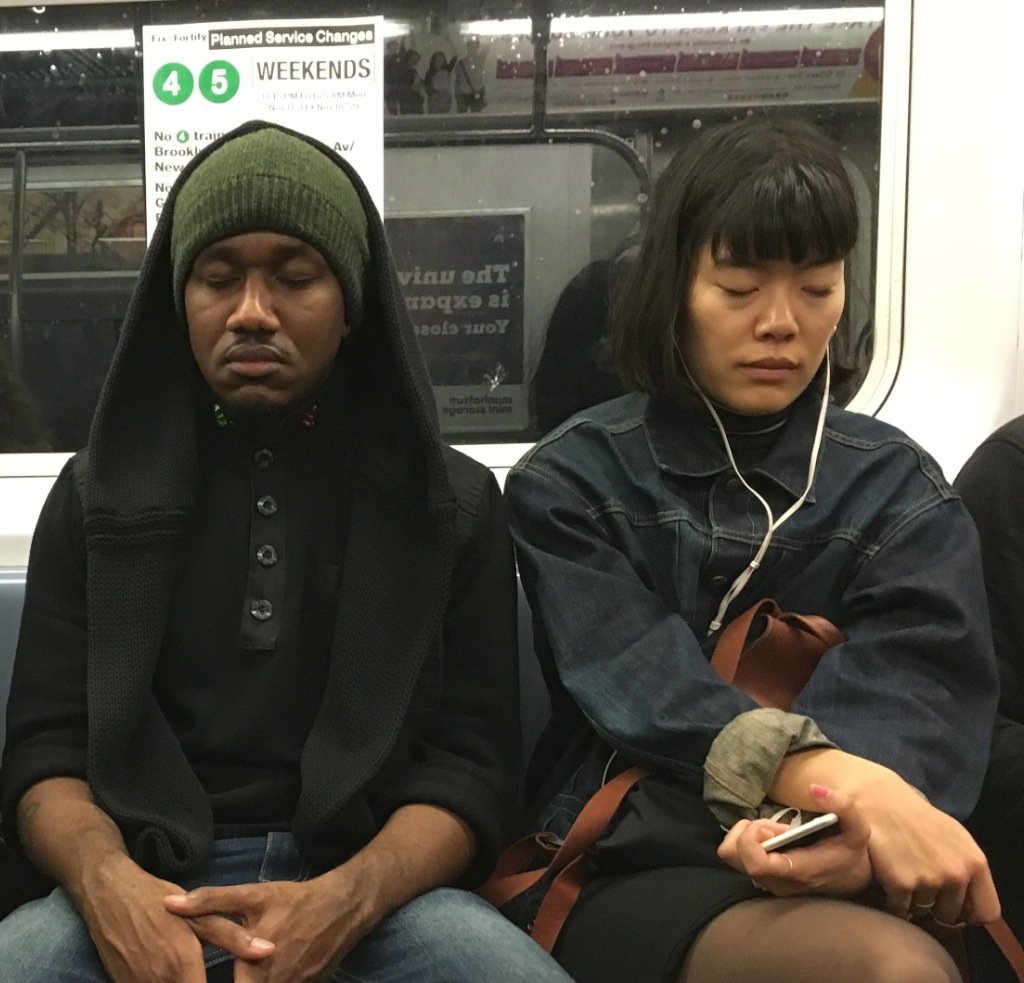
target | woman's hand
[
  {"x": 838, "y": 865},
  {"x": 923, "y": 859}
]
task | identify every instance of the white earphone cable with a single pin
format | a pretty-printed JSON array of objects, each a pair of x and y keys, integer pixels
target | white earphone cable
[{"x": 773, "y": 524}]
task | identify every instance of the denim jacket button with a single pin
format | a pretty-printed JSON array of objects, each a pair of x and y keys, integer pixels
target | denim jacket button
[
  {"x": 718, "y": 581},
  {"x": 733, "y": 486}
]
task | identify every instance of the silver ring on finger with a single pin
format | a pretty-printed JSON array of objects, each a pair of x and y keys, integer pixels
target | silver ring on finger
[{"x": 920, "y": 910}]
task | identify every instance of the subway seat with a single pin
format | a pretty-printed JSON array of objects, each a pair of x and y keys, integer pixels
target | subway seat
[{"x": 535, "y": 710}]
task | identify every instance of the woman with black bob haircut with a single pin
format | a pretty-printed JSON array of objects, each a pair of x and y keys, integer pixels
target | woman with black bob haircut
[
  {"x": 646, "y": 523},
  {"x": 757, "y": 191}
]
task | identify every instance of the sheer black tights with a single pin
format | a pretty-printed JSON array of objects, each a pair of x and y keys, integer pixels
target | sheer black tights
[{"x": 807, "y": 940}]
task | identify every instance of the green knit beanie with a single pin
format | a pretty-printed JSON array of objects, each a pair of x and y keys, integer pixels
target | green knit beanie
[{"x": 271, "y": 181}]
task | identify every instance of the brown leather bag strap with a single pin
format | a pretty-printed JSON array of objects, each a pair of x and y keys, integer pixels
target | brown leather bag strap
[
  {"x": 735, "y": 635},
  {"x": 558, "y": 902},
  {"x": 567, "y": 863},
  {"x": 519, "y": 867},
  {"x": 770, "y": 655},
  {"x": 570, "y": 862},
  {"x": 592, "y": 822},
  {"x": 733, "y": 639},
  {"x": 1011, "y": 949},
  {"x": 814, "y": 624}
]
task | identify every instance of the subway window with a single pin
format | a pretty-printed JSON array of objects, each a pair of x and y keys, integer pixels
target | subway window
[{"x": 521, "y": 142}]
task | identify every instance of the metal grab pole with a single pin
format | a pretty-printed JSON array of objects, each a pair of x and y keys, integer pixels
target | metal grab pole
[{"x": 17, "y": 255}]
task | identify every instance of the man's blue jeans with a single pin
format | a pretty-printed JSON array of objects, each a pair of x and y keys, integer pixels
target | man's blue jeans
[{"x": 444, "y": 936}]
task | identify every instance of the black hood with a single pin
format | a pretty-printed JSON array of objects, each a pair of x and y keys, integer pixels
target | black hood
[{"x": 140, "y": 420}]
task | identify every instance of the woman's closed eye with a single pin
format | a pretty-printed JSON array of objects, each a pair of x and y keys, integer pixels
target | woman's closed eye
[
  {"x": 737, "y": 290},
  {"x": 820, "y": 292}
]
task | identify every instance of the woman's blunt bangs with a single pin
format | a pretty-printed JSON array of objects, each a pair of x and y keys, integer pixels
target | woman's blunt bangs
[{"x": 790, "y": 211}]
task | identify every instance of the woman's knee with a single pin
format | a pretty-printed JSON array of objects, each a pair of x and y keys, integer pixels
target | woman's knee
[
  {"x": 790, "y": 940},
  {"x": 910, "y": 956}
]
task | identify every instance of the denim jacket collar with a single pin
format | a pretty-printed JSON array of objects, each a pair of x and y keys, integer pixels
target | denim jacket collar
[{"x": 701, "y": 454}]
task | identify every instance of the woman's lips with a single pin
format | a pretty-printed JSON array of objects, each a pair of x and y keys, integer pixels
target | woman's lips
[{"x": 772, "y": 370}]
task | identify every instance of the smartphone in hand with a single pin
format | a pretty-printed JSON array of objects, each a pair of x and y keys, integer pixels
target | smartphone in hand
[{"x": 803, "y": 835}]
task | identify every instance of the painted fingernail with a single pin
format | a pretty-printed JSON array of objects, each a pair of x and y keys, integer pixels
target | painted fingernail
[{"x": 819, "y": 791}]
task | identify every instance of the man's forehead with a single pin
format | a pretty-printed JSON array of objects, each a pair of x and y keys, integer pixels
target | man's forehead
[{"x": 263, "y": 245}]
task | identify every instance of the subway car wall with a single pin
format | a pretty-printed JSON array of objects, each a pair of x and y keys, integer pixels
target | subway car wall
[{"x": 515, "y": 190}]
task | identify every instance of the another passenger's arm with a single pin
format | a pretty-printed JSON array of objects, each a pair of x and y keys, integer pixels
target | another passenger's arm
[{"x": 991, "y": 485}]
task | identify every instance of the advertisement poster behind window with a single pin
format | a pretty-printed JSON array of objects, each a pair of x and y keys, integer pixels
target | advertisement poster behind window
[
  {"x": 600, "y": 64},
  {"x": 463, "y": 280}
]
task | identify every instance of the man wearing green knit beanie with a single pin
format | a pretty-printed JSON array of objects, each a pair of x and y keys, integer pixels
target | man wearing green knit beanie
[
  {"x": 271, "y": 205},
  {"x": 270, "y": 181},
  {"x": 264, "y": 717}
]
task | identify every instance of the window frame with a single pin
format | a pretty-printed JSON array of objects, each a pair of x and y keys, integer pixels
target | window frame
[{"x": 25, "y": 478}]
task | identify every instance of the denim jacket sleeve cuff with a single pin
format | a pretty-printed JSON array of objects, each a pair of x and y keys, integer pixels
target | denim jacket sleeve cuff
[{"x": 740, "y": 767}]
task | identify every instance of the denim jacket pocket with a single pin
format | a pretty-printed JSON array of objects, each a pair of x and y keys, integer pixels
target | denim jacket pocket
[{"x": 561, "y": 812}]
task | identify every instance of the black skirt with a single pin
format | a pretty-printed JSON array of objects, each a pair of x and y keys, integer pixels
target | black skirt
[{"x": 637, "y": 928}]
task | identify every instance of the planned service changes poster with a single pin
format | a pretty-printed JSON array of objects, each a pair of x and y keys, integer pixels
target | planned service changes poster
[{"x": 322, "y": 77}]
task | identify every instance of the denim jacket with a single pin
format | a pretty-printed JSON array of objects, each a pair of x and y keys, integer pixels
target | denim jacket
[{"x": 630, "y": 525}]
